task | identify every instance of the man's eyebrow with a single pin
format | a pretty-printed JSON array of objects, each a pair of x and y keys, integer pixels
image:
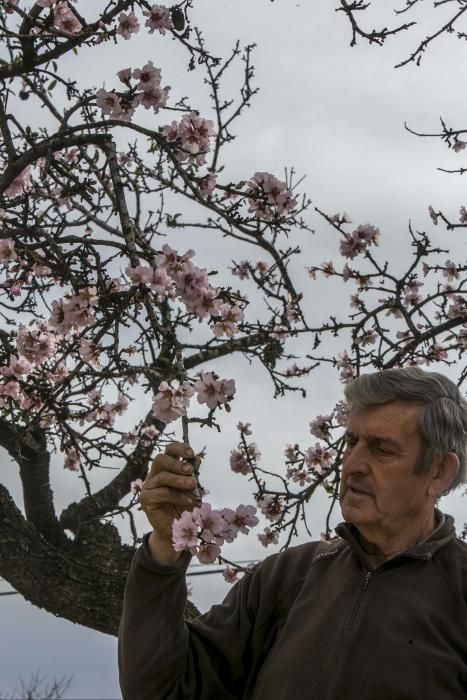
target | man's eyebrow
[{"x": 375, "y": 439}]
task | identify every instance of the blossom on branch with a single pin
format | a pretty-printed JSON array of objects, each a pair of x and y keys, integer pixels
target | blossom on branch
[
  {"x": 158, "y": 17},
  {"x": 190, "y": 138},
  {"x": 214, "y": 391},
  {"x": 128, "y": 24},
  {"x": 171, "y": 403},
  {"x": 269, "y": 198},
  {"x": 353, "y": 244}
]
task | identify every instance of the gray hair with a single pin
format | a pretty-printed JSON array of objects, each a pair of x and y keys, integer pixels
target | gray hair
[{"x": 441, "y": 420}]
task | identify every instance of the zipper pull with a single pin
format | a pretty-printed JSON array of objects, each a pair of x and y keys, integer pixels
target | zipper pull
[{"x": 367, "y": 580}]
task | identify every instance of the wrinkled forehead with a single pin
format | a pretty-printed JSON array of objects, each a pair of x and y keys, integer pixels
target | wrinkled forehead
[{"x": 394, "y": 420}]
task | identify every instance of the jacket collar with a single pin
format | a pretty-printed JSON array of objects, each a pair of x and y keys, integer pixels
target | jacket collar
[{"x": 443, "y": 533}]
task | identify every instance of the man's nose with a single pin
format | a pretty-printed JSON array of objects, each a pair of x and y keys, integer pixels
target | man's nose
[{"x": 355, "y": 460}]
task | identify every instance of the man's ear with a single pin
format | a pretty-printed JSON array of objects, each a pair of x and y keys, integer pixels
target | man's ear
[{"x": 445, "y": 473}]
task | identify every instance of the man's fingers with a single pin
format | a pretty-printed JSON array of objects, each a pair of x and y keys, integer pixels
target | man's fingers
[
  {"x": 179, "y": 449},
  {"x": 166, "y": 478},
  {"x": 174, "y": 460},
  {"x": 164, "y": 495}
]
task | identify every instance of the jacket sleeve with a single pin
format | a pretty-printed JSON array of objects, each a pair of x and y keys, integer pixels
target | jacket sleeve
[{"x": 162, "y": 657}]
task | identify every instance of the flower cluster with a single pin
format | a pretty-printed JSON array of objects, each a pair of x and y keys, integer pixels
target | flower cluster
[
  {"x": 244, "y": 458},
  {"x": 214, "y": 391},
  {"x": 320, "y": 426},
  {"x": 301, "y": 466},
  {"x": 190, "y": 138},
  {"x": 74, "y": 311},
  {"x": 64, "y": 18},
  {"x": 357, "y": 242},
  {"x": 172, "y": 275},
  {"x": 269, "y": 198},
  {"x": 271, "y": 507},
  {"x": 345, "y": 365},
  {"x": 21, "y": 184},
  {"x": 146, "y": 92},
  {"x": 170, "y": 403},
  {"x": 36, "y": 344},
  {"x": 204, "y": 531},
  {"x": 158, "y": 17}
]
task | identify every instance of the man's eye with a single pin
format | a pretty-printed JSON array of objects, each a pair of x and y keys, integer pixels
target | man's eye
[{"x": 382, "y": 451}]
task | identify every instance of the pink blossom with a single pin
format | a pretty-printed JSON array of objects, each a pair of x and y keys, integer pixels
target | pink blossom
[
  {"x": 124, "y": 75},
  {"x": 209, "y": 521},
  {"x": 231, "y": 314},
  {"x": 155, "y": 98},
  {"x": 462, "y": 337},
  {"x": 214, "y": 391},
  {"x": 450, "y": 271},
  {"x": 319, "y": 427},
  {"x": 191, "y": 138},
  {"x": 107, "y": 101},
  {"x": 458, "y": 145},
  {"x": 171, "y": 403},
  {"x": 74, "y": 312},
  {"x": 239, "y": 463},
  {"x": 463, "y": 215},
  {"x": 141, "y": 274},
  {"x": 184, "y": 532},
  {"x": 269, "y": 537},
  {"x": 21, "y": 184},
  {"x": 341, "y": 413},
  {"x": 72, "y": 459},
  {"x": 368, "y": 337},
  {"x": 298, "y": 474},
  {"x": 345, "y": 364},
  {"x": 20, "y": 366},
  {"x": 433, "y": 215},
  {"x": 319, "y": 457},
  {"x": 36, "y": 344},
  {"x": 208, "y": 553},
  {"x": 65, "y": 19},
  {"x": 158, "y": 17},
  {"x": 121, "y": 404},
  {"x": 242, "y": 518},
  {"x": 89, "y": 352},
  {"x": 230, "y": 575},
  {"x": 244, "y": 428},
  {"x": 149, "y": 77},
  {"x": 291, "y": 453},
  {"x": 412, "y": 293},
  {"x": 207, "y": 185},
  {"x": 435, "y": 353},
  {"x": 242, "y": 270},
  {"x": 136, "y": 485},
  {"x": 7, "y": 249},
  {"x": 269, "y": 197},
  {"x": 458, "y": 307},
  {"x": 128, "y": 24},
  {"x": 271, "y": 507},
  {"x": 11, "y": 389},
  {"x": 150, "y": 431}
]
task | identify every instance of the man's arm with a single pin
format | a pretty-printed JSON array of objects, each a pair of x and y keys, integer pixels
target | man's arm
[{"x": 163, "y": 658}]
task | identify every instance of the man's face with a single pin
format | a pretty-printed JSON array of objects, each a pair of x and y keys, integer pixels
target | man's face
[{"x": 383, "y": 446}]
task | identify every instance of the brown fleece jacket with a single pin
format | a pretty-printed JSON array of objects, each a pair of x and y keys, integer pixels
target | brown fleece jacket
[{"x": 313, "y": 622}]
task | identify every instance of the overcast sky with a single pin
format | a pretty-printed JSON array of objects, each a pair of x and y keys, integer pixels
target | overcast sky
[{"x": 336, "y": 113}]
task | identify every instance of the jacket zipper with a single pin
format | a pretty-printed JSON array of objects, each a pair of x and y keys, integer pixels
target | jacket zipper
[{"x": 356, "y": 608}]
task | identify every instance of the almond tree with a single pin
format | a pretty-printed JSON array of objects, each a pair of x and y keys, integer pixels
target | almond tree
[{"x": 110, "y": 332}]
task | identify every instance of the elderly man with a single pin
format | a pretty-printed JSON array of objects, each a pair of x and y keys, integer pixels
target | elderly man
[{"x": 379, "y": 613}]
